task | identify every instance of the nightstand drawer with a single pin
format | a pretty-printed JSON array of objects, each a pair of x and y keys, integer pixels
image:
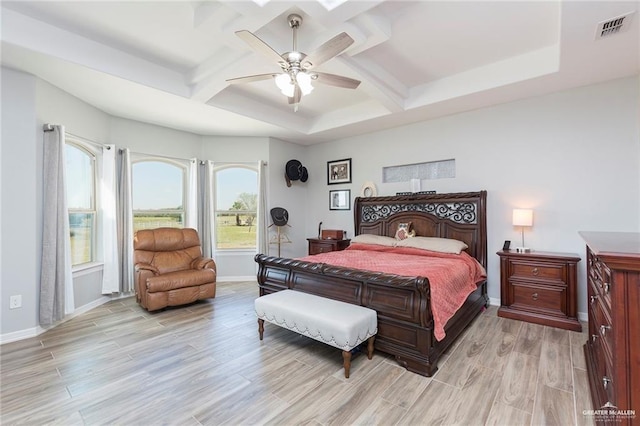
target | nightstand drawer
[
  {"x": 317, "y": 245},
  {"x": 555, "y": 272},
  {"x": 321, "y": 248},
  {"x": 547, "y": 299}
]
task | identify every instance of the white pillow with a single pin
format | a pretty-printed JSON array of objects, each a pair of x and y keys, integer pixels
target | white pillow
[
  {"x": 374, "y": 239},
  {"x": 442, "y": 245}
]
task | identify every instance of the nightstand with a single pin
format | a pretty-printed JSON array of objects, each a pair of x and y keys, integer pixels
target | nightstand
[
  {"x": 539, "y": 287},
  {"x": 317, "y": 245}
]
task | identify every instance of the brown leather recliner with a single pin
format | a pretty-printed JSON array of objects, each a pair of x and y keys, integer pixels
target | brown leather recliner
[{"x": 170, "y": 269}]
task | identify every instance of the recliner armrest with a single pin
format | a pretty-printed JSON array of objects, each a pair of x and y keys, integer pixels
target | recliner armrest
[
  {"x": 203, "y": 263},
  {"x": 146, "y": 266}
]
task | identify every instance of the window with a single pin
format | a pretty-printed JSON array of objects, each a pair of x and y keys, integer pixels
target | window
[
  {"x": 158, "y": 188},
  {"x": 80, "y": 172},
  {"x": 236, "y": 205},
  {"x": 430, "y": 170}
]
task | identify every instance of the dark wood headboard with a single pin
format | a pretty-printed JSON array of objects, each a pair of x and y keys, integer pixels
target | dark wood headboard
[{"x": 460, "y": 216}]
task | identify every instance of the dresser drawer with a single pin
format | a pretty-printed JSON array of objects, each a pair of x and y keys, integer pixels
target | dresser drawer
[
  {"x": 603, "y": 373},
  {"x": 604, "y": 329},
  {"x": 547, "y": 272},
  {"x": 547, "y": 299},
  {"x": 600, "y": 276}
]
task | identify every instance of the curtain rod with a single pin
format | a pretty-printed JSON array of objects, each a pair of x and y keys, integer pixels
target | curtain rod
[
  {"x": 48, "y": 127},
  {"x": 242, "y": 163},
  {"x": 160, "y": 156}
]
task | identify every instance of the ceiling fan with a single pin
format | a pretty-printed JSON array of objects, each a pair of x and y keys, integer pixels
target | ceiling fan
[{"x": 295, "y": 79}]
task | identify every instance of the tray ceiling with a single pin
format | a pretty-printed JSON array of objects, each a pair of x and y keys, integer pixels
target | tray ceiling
[{"x": 167, "y": 62}]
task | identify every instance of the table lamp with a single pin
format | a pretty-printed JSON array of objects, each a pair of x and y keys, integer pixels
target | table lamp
[{"x": 522, "y": 218}]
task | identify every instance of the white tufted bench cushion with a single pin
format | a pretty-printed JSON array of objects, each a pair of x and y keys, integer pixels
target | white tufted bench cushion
[{"x": 339, "y": 324}]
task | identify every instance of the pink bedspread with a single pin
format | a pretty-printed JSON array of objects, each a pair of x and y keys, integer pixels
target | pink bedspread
[{"x": 452, "y": 277}]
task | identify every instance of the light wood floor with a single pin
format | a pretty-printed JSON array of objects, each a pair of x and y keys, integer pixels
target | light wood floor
[{"x": 204, "y": 364}]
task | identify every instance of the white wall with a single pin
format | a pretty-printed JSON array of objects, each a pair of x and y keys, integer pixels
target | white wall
[
  {"x": 573, "y": 157},
  {"x": 20, "y": 218},
  {"x": 146, "y": 138},
  {"x": 294, "y": 198},
  {"x": 28, "y": 103}
]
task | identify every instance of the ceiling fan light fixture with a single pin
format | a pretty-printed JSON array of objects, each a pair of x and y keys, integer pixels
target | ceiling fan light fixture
[
  {"x": 284, "y": 83},
  {"x": 304, "y": 82}
]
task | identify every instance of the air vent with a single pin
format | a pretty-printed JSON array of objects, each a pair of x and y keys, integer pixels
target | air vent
[{"x": 613, "y": 26}]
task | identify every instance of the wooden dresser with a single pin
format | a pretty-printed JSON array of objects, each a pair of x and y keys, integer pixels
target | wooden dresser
[
  {"x": 317, "y": 245},
  {"x": 613, "y": 348},
  {"x": 539, "y": 287}
]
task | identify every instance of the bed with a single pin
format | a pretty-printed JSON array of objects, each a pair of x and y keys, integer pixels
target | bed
[{"x": 406, "y": 326}]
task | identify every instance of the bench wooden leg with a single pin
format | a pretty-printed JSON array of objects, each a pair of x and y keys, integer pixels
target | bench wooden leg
[
  {"x": 346, "y": 355},
  {"x": 370, "y": 347},
  {"x": 261, "y": 327}
]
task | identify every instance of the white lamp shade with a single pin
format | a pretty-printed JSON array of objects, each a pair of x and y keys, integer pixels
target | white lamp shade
[
  {"x": 522, "y": 217},
  {"x": 304, "y": 82},
  {"x": 284, "y": 83}
]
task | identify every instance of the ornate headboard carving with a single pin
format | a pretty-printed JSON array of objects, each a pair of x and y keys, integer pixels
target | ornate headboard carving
[{"x": 461, "y": 216}]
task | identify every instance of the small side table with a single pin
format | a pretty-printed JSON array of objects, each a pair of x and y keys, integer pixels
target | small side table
[
  {"x": 539, "y": 287},
  {"x": 317, "y": 245}
]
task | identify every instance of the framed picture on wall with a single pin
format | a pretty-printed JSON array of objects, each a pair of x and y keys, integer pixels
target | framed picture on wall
[
  {"x": 339, "y": 171},
  {"x": 340, "y": 199}
]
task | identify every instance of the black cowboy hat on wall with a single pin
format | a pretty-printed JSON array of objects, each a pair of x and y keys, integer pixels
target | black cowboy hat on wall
[{"x": 294, "y": 170}]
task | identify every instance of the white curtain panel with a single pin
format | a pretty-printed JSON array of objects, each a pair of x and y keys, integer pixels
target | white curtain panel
[
  {"x": 56, "y": 280},
  {"x": 208, "y": 232},
  {"x": 108, "y": 215},
  {"x": 191, "y": 220},
  {"x": 262, "y": 235},
  {"x": 125, "y": 222}
]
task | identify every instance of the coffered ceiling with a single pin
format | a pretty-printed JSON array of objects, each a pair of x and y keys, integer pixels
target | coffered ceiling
[{"x": 167, "y": 62}]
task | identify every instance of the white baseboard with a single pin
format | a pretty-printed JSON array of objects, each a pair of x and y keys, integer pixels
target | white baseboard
[
  {"x": 236, "y": 279},
  {"x": 36, "y": 331},
  {"x": 20, "y": 335}
]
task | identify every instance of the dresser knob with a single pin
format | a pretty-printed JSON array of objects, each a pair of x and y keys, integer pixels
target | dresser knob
[
  {"x": 534, "y": 296},
  {"x": 605, "y": 381},
  {"x": 593, "y": 298},
  {"x": 606, "y": 288},
  {"x": 604, "y": 328},
  {"x": 534, "y": 271},
  {"x": 594, "y": 337}
]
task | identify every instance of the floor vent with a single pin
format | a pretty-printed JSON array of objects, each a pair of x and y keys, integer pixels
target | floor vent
[{"x": 613, "y": 26}]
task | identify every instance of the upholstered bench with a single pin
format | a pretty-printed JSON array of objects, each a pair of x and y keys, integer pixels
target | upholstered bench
[{"x": 335, "y": 323}]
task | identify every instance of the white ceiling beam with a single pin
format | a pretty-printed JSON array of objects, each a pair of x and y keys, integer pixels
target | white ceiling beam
[
  {"x": 503, "y": 73},
  {"x": 235, "y": 100},
  {"x": 379, "y": 84},
  {"x": 41, "y": 37}
]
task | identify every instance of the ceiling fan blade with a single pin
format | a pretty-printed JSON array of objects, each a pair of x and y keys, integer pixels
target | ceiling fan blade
[
  {"x": 251, "y": 78},
  {"x": 297, "y": 95},
  {"x": 327, "y": 50},
  {"x": 260, "y": 46},
  {"x": 335, "y": 80}
]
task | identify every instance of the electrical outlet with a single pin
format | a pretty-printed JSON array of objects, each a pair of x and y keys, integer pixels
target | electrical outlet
[{"x": 15, "y": 301}]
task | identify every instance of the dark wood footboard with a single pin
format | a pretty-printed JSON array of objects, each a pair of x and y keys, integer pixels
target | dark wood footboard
[{"x": 405, "y": 322}]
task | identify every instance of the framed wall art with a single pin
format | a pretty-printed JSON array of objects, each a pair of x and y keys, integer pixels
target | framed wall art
[
  {"x": 340, "y": 199},
  {"x": 339, "y": 171}
]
